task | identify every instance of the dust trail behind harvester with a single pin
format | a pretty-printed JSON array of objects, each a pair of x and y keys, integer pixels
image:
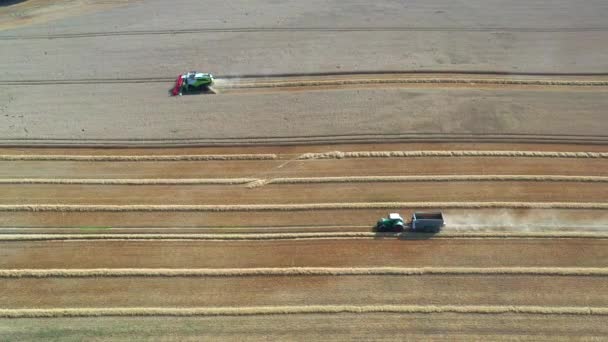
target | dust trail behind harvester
[{"x": 520, "y": 221}]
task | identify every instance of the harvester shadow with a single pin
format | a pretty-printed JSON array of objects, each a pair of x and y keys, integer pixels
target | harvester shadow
[{"x": 206, "y": 91}]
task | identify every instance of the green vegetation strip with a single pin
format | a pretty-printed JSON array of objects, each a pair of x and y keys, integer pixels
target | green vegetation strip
[
  {"x": 293, "y": 207},
  {"x": 305, "y": 309},
  {"x": 302, "y": 236},
  {"x": 299, "y": 271}
]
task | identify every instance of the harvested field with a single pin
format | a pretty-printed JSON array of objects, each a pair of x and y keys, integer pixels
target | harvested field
[
  {"x": 277, "y": 242},
  {"x": 250, "y": 213},
  {"x": 307, "y": 168},
  {"x": 459, "y": 327},
  {"x": 303, "y": 196},
  {"x": 497, "y": 252},
  {"x": 129, "y": 214}
]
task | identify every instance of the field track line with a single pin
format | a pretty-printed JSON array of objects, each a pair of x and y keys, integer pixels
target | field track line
[
  {"x": 293, "y": 207},
  {"x": 307, "y": 309},
  {"x": 417, "y": 154},
  {"x": 303, "y": 236},
  {"x": 299, "y": 29},
  {"x": 254, "y": 182},
  {"x": 117, "y": 158},
  {"x": 337, "y": 83},
  {"x": 307, "y": 140},
  {"x": 299, "y": 271},
  {"x": 410, "y": 80}
]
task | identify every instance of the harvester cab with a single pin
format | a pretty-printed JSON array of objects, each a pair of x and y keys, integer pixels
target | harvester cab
[{"x": 191, "y": 82}]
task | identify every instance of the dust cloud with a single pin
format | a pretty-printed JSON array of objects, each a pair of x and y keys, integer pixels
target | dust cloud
[{"x": 526, "y": 221}]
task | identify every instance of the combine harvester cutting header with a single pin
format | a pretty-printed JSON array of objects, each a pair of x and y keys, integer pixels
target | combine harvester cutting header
[{"x": 193, "y": 82}]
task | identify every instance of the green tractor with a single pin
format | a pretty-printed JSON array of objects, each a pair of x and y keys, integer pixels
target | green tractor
[
  {"x": 394, "y": 223},
  {"x": 193, "y": 82}
]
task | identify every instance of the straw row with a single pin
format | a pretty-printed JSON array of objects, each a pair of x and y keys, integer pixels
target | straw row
[
  {"x": 300, "y": 271},
  {"x": 373, "y": 81},
  {"x": 302, "y": 236},
  {"x": 325, "y": 155},
  {"x": 293, "y": 207},
  {"x": 255, "y": 182},
  {"x": 305, "y": 309},
  {"x": 414, "y": 154},
  {"x": 118, "y": 158}
]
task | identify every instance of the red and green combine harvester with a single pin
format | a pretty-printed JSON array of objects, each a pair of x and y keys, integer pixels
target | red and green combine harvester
[{"x": 193, "y": 82}]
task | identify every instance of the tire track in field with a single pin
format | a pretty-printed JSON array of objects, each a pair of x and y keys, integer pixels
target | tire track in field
[
  {"x": 300, "y": 29},
  {"x": 423, "y": 137},
  {"x": 234, "y": 86}
]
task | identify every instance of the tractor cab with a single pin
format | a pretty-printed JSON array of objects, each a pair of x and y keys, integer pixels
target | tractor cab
[
  {"x": 394, "y": 223},
  {"x": 395, "y": 216}
]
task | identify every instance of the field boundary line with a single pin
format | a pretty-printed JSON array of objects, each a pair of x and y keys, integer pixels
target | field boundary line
[
  {"x": 258, "y": 182},
  {"x": 293, "y": 207},
  {"x": 303, "y": 236},
  {"x": 307, "y": 309},
  {"x": 463, "y": 153},
  {"x": 118, "y": 158},
  {"x": 299, "y": 271}
]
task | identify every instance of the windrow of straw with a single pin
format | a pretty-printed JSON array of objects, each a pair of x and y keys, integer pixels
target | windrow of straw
[
  {"x": 463, "y": 81},
  {"x": 416, "y": 154},
  {"x": 304, "y": 236},
  {"x": 305, "y": 309},
  {"x": 129, "y": 181},
  {"x": 293, "y": 207},
  {"x": 136, "y": 158},
  {"x": 432, "y": 178},
  {"x": 255, "y": 182},
  {"x": 300, "y": 271}
]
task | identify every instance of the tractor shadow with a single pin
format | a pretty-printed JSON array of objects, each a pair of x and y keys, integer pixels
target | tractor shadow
[
  {"x": 406, "y": 234},
  {"x": 4, "y": 3}
]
